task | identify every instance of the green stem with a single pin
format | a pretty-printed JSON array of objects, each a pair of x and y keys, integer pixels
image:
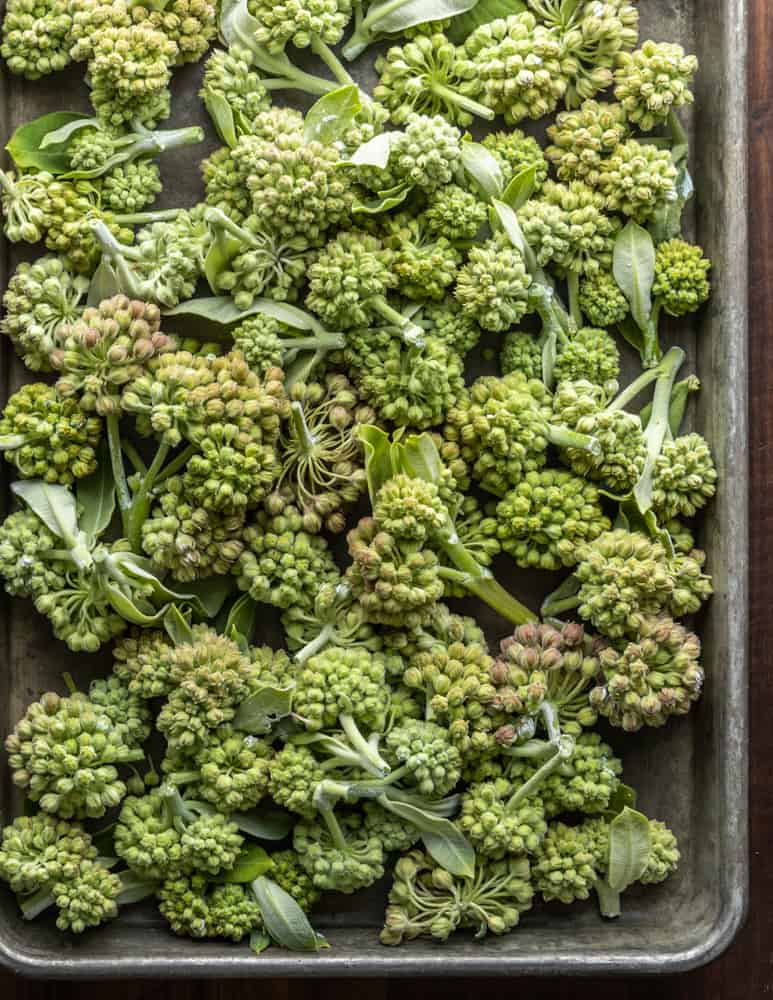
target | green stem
[
  {"x": 280, "y": 67},
  {"x": 658, "y": 425},
  {"x": 177, "y": 463},
  {"x": 147, "y": 218},
  {"x": 316, "y": 645},
  {"x": 119, "y": 473},
  {"x": 542, "y": 772},
  {"x": 304, "y": 437},
  {"x": 141, "y": 504},
  {"x": 562, "y": 437},
  {"x": 411, "y": 333},
  {"x": 638, "y": 385},
  {"x": 36, "y": 904},
  {"x": 573, "y": 286},
  {"x": 550, "y": 720},
  {"x": 134, "y": 457},
  {"x": 368, "y": 753},
  {"x": 609, "y": 900},
  {"x": 480, "y": 582},
  {"x": 183, "y": 777},
  {"x": 326, "y": 54},
  {"x": 336, "y": 833},
  {"x": 460, "y": 101},
  {"x": 555, "y": 608},
  {"x": 364, "y": 33}
]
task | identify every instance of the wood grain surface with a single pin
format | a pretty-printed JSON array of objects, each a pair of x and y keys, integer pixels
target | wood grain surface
[{"x": 745, "y": 971}]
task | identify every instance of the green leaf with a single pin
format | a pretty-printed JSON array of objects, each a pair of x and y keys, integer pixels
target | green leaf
[
  {"x": 482, "y": 166},
  {"x": 222, "y": 250},
  {"x": 520, "y": 188},
  {"x": 483, "y": 12},
  {"x": 221, "y": 113},
  {"x": 241, "y": 617},
  {"x": 285, "y": 921},
  {"x": 209, "y": 595},
  {"x": 96, "y": 497},
  {"x": 264, "y": 823},
  {"x": 420, "y": 458},
  {"x": 624, "y": 796},
  {"x": 135, "y": 888},
  {"x": 54, "y": 505},
  {"x": 609, "y": 899},
  {"x": 259, "y": 941},
  {"x": 104, "y": 840},
  {"x": 413, "y": 12},
  {"x": 128, "y": 609},
  {"x": 251, "y": 863},
  {"x": 210, "y": 317},
  {"x": 451, "y": 850},
  {"x": 66, "y": 132},
  {"x": 382, "y": 202},
  {"x": 454, "y": 851},
  {"x": 25, "y": 145},
  {"x": 177, "y": 627},
  {"x": 378, "y": 458},
  {"x": 332, "y": 115},
  {"x": 631, "y": 333},
  {"x": 104, "y": 282},
  {"x": 263, "y": 709},
  {"x": 633, "y": 265},
  {"x": 373, "y": 153},
  {"x": 629, "y": 848}
]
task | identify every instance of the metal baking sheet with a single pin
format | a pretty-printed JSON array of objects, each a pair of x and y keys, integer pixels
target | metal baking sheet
[{"x": 692, "y": 774}]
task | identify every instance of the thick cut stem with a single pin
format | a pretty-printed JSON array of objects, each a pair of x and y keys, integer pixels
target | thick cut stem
[
  {"x": 411, "y": 333},
  {"x": 573, "y": 286},
  {"x": 651, "y": 353},
  {"x": 562, "y": 437},
  {"x": 609, "y": 900},
  {"x": 147, "y": 218}
]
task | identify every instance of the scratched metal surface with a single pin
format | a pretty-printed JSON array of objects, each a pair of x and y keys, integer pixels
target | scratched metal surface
[{"x": 692, "y": 774}]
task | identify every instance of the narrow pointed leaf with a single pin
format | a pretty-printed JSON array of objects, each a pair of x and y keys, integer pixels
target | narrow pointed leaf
[
  {"x": 482, "y": 166},
  {"x": 264, "y": 823},
  {"x": 378, "y": 461},
  {"x": 252, "y": 862},
  {"x": 177, "y": 627},
  {"x": 520, "y": 188}
]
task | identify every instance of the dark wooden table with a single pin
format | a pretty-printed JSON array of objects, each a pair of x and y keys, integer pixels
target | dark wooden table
[{"x": 745, "y": 971}]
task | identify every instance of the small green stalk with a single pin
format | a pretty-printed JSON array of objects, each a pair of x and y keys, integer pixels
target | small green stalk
[
  {"x": 563, "y": 751},
  {"x": 573, "y": 287},
  {"x": 650, "y": 352},
  {"x": 460, "y": 101},
  {"x": 178, "y": 462},
  {"x": 326, "y": 54},
  {"x": 361, "y": 745},
  {"x": 316, "y": 645},
  {"x": 609, "y": 900},
  {"x": 327, "y": 813},
  {"x": 658, "y": 425},
  {"x": 480, "y": 582},
  {"x": 119, "y": 473},
  {"x": 140, "y": 505},
  {"x": 562, "y": 437},
  {"x": 647, "y": 378},
  {"x": 366, "y": 28},
  {"x": 411, "y": 333}
]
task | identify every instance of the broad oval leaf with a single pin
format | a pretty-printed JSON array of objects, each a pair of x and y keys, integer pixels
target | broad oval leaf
[
  {"x": 264, "y": 823},
  {"x": 241, "y": 617},
  {"x": 420, "y": 458},
  {"x": 482, "y": 12},
  {"x": 482, "y": 166},
  {"x": 96, "y": 497},
  {"x": 54, "y": 505},
  {"x": 398, "y": 17},
  {"x": 629, "y": 848},
  {"x": 623, "y": 796},
  {"x": 258, "y": 713},
  {"x": 134, "y": 888},
  {"x": 285, "y": 921},
  {"x": 104, "y": 283},
  {"x": 236, "y": 25},
  {"x": 451, "y": 849},
  {"x": 512, "y": 227},
  {"x": 208, "y": 596},
  {"x": 332, "y": 115},
  {"x": 456, "y": 855},
  {"x": 25, "y": 145},
  {"x": 633, "y": 265},
  {"x": 252, "y": 862}
]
